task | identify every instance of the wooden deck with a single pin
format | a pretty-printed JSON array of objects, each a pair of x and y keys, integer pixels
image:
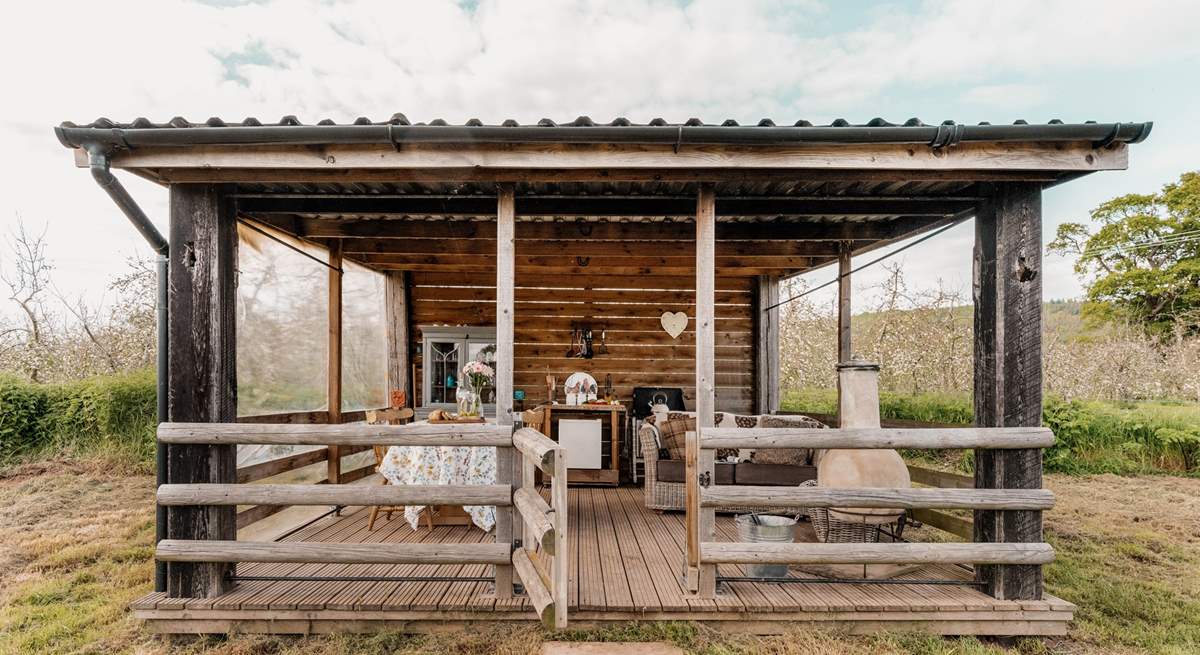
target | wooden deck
[{"x": 625, "y": 564}]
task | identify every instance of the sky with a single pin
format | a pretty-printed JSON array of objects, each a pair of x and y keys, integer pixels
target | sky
[{"x": 785, "y": 59}]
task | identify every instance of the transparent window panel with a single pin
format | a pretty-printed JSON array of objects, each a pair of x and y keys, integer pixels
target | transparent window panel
[{"x": 364, "y": 339}]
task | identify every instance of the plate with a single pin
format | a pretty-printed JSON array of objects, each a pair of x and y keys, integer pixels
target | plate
[{"x": 584, "y": 381}]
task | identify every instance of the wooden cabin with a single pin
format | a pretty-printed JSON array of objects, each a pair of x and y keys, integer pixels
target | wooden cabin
[{"x": 526, "y": 237}]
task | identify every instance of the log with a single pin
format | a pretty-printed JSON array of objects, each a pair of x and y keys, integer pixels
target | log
[
  {"x": 175, "y": 550},
  {"x": 761, "y": 496},
  {"x": 330, "y": 494},
  {"x": 940, "y": 479},
  {"x": 535, "y": 588},
  {"x": 279, "y": 465},
  {"x": 890, "y": 438},
  {"x": 416, "y": 434},
  {"x": 882, "y": 553},
  {"x": 538, "y": 518},
  {"x": 537, "y": 447}
]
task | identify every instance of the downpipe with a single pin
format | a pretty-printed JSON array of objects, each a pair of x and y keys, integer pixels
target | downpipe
[{"x": 99, "y": 165}]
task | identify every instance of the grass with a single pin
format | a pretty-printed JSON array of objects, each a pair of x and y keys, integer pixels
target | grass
[{"x": 75, "y": 549}]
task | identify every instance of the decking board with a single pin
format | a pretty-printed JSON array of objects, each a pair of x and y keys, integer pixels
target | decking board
[{"x": 625, "y": 563}]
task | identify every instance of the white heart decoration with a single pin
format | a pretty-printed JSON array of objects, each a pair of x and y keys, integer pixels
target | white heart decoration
[{"x": 674, "y": 323}]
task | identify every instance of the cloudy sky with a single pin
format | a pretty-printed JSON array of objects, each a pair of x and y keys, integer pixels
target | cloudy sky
[{"x": 966, "y": 61}]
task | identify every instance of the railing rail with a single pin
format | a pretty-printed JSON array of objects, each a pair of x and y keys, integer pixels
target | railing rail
[
  {"x": 543, "y": 526},
  {"x": 201, "y": 546},
  {"x": 704, "y": 499}
]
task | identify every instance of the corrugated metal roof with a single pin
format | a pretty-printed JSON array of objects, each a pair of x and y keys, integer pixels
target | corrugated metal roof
[
  {"x": 142, "y": 123},
  {"x": 179, "y": 131}
]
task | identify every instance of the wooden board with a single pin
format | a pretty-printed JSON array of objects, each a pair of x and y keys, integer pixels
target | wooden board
[{"x": 624, "y": 565}]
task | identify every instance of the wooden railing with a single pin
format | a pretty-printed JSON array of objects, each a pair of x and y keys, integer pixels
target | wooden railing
[
  {"x": 542, "y": 529},
  {"x": 293, "y": 461},
  {"x": 703, "y": 554},
  {"x": 197, "y": 545}
]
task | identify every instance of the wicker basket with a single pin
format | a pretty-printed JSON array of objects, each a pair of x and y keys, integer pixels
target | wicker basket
[{"x": 835, "y": 531}]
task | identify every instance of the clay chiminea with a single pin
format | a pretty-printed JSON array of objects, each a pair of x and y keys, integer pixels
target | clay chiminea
[{"x": 858, "y": 382}]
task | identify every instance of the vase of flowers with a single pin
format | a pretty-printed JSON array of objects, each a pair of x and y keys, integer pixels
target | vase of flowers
[{"x": 475, "y": 376}]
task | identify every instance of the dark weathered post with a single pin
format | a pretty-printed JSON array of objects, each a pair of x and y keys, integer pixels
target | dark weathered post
[
  {"x": 396, "y": 304},
  {"x": 333, "y": 393},
  {"x": 844, "y": 348},
  {"x": 1008, "y": 369},
  {"x": 202, "y": 375}
]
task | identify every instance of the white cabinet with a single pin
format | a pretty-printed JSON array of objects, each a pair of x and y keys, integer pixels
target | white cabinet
[{"x": 581, "y": 438}]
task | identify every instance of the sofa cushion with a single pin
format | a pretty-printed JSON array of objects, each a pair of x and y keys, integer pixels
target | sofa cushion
[
  {"x": 674, "y": 470},
  {"x": 782, "y": 456},
  {"x": 672, "y": 435},
  {"x": 773, "y": 475}
]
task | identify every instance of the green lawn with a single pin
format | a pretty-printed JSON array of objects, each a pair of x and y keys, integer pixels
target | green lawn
[{"x": 75, "y": 548}]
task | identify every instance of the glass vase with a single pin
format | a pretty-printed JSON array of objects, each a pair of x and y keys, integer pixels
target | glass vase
[{"x": 468, "y": 397}]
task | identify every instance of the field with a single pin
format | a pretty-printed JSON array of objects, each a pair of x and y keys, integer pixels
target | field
[{"x": 75, "y": 548}]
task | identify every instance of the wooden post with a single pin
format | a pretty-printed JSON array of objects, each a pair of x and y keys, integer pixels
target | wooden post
[
  {"x": 845, "y": 352},
  {"x": 700, "y": 530},
  {"x": 560, "y": 564},
  {"x": 201, "y": 372},
  {"x": 396, "y": 305},
  {"x": 334, "y": 375},
  {"x": 1008, "y": 370},
  {"x": 505, "y": 295},
  {"x": 766, "y": 346}
]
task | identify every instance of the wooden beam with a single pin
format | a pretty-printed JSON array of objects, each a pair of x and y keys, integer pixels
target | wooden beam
[
  {"x": 505, "y": 297},
  {"x": 330, "y": 494},
  {"x": 174, "y": 550},
  {"x": 845, "y": 353},
  {"x": 279, "y": 465},
  {"x": 481, "y": 174},
  {"x": 537, "y": 447},
  {"x": 542, "y": 248},
  {"x": 560, "y": 563},
  {"x": 413, "y": 434},
  {"x": 881, "y": 553},
  {"x": 478, "y": 206},
  {"x": 1010, "y": 438},
  {"x": 1008, "y": 373},
  {"x": 456, "y": 231},
  {"x": 539, "y": 596},
  {"x": 922, "y": 498},
  {"x": 333, "y": 374},
  {"x": 201, "y": 375},
  {"x": 536, "y": 157},
  {"x": 766, "y": 345},
  {"x": 399, "y": 341}
]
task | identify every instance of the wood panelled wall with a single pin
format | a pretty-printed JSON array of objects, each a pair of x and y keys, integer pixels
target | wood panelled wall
[{"x": 626, "y": 307}]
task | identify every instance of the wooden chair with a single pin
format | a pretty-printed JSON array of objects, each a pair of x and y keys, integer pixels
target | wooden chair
[{"x": 390, "y": 417}]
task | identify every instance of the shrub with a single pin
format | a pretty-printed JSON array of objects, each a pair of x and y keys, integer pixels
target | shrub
[
  {"x": 114, "y": 415},
  {"x": 1091, "y": 436}
]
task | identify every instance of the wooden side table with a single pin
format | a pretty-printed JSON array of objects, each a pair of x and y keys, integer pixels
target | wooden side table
[{"x": 610, "y": 475}]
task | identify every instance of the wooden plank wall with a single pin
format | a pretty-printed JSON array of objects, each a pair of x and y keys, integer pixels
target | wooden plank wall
[{"x": 641, "y": 353}]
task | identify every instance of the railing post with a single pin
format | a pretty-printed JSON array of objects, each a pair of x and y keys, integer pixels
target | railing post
[
  {"x": 559, "y": 570},
  {"x": 1008, "y": 373},
  {"x": 334, "y": 358},
  {"x": 700, "y": 521}
]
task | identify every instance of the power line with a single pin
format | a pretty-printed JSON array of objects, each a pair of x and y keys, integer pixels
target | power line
[{"x": 870, "y": 263}]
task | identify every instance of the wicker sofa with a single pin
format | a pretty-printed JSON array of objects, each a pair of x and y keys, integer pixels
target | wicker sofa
[{"x": 664, "y": 488}]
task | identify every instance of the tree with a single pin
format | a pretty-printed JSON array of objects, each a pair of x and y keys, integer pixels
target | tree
[
  {"x": 27, "y": 282},
  {"x": 1142, "y": 264}
]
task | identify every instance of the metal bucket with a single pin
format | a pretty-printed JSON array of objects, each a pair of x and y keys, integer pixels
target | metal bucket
[{"x": 766, "y": 529}]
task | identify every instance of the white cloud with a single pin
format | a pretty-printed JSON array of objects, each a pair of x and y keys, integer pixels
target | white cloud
[{"x": 639, "y": 58}]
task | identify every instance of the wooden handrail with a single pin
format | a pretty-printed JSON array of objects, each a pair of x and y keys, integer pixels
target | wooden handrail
[
  {"x": 415, "y": 434},
  {"x": 539, "y": 595},
  {"x": 539, "y": 448},
  {"x": 880, "y": 553},
  {"x": 761, "y": 496},
  {"x": 176, "y": 550},
  {"x": 331, "y": 494},
  {"x": 873, "y": 438},
  {"x": 538, "y": 517}
]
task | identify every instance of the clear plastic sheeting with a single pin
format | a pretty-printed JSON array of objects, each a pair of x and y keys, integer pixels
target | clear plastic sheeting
[
  {"x": 281, "y": 325},
  {"x": 364, "y": 339}
]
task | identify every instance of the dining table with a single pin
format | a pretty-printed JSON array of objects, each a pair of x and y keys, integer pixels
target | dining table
[{"x": 443, "y": 465}]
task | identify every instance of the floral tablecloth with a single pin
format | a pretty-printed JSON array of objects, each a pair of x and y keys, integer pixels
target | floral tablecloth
[{"x": 443, "y": 465}]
